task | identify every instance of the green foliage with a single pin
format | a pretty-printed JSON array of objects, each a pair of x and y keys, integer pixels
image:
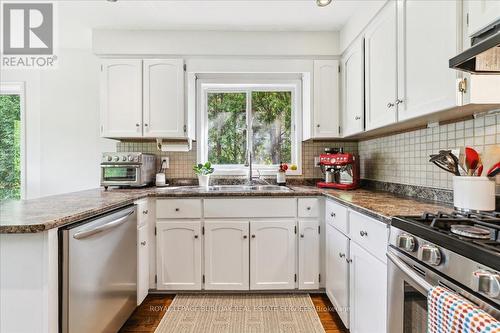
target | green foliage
[
  {"x": 203, "y": 169},
  {"x": 270, "y": 131},
  {"x": 10, "y": 147}
]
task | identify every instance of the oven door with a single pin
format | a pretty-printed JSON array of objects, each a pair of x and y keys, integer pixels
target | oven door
[
  {"x": 408, "y": 285},
  {"x": 116, "y": 174}
]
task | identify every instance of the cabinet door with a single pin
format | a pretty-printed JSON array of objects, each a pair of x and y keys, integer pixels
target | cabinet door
[
  {"x": 226, "y": 255},
  {"x": 326, "y": 99},
  {"x": 425, "y": 49},
  {"x": 309, "y": 254},
  {"x": 272, "y": 255},
  {"x": 481, "y": 14},
  {"x": 367, "y": 290},
  {"x": 142, "y": 263},
  {"x": 337, "y": 272},
  {"x": 353, "y": 110},
  {"x": 164, "y": 98},
  {"x": 121, "y": 98},
  {"x": 380, "y": 68},
  {"x": 178, "y": 255}
]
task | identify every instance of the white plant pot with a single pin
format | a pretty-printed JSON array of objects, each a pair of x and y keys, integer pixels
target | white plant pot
[
  {"x": 203, "y": 180},
  {"x": 473, "y": 193}
]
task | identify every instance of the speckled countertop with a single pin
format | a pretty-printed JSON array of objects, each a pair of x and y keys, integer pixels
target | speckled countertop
[{"x": 37, "y": 215}]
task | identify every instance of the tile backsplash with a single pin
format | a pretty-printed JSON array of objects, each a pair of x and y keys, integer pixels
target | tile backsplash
[
  {"x": 181, "y": 163},
  {"x": 404, "y": 158}
]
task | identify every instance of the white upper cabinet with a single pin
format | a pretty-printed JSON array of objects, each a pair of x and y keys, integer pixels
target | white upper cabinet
[
  {"x": 309, "y": 254},
  {"x": 164, "y": 98},
  {"x": 381, "y": 68},
  {"x": 272, "y": 255},
  {"x": 481, "y": 14},
  {"x": 352, "y": 88},
  {"x": 428, "y": 36},
  {"x": 226, "y": 255},
  {"x": 326, "y": 99},
  {"x": 121, "y": 98}
]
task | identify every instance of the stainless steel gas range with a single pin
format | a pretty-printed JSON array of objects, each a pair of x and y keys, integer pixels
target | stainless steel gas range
[{"x": 460, "y": 252}]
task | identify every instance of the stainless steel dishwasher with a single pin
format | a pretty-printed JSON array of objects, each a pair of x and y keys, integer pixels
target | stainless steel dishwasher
[{"x": 98, "y": 272}]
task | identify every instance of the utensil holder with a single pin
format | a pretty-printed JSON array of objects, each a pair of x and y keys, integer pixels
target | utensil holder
[{"x": 473, "y": 193}]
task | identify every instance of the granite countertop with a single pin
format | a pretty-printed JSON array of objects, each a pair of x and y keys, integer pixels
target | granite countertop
[{"x": 37, "y": 215}]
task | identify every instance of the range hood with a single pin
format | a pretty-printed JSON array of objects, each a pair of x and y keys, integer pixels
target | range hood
[{"x": 483, "y": 57}]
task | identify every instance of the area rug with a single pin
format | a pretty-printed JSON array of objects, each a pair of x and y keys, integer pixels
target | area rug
[{"x": 245, "y": 313}]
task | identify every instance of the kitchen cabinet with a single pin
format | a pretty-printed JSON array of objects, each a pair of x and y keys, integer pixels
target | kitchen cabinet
[
  {"x": 337, "y": 272},
  {"x": 367, "y": 291},
  {"x": 425, "y": 83},
  {"x": 481, "y": 14},
  {"x": 178, "y": 255},
  {"x": 226, "y": 255},
  {"x": 381, "y": 68},
  {"x": 164, "y": 98},
  {"x": 121, "y": 98},
  {"x": 142, "y": 263},
  {"x": 326, "y": 99},
  {"x": 143, "y": 99},
  {"x": 308, "y": 254},
  {"x": 272, "y": 254},
  {"x": 352, "y": 88}
]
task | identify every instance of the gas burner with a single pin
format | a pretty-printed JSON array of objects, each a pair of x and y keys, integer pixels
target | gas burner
[{"x": 470, "y": 231}]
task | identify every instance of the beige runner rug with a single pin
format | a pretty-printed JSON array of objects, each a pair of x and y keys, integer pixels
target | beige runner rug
[{"x": 245, "y": 313}]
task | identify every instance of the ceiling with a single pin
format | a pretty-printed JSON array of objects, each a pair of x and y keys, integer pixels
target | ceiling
[{"x": 241, "y": 15}]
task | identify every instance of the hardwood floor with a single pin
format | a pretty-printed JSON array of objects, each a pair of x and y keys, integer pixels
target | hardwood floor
[{"x": 147, "y": 316}]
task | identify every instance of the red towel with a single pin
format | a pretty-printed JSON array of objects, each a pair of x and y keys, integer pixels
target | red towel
[{"x": 450, "y": 313}]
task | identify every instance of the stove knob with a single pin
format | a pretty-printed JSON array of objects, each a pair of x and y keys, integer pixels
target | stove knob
[
  {"x": 130, "y": 158},
  {"x": 429, "y": 254},
  {"x": 116, "y": 158},
  {"x": 406, "y": 242},
  {"x": 124, "y": 158},
  {"x": 332, "y": 160},
  {"x": 109, "y": 158},
  {"x": 487, "y": 283}
]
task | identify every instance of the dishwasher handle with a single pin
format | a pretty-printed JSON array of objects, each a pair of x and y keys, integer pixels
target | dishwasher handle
[{"x": 101, "y": 228}]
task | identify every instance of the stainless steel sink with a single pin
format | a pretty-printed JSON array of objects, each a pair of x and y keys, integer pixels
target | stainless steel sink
[{"x": 249, "y": 188}]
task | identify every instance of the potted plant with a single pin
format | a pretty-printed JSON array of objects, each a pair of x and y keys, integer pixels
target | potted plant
[{"x": 203, "y": 171}]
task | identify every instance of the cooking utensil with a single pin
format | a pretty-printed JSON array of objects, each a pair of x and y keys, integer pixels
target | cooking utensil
[
  {"x": 490, "y": 157},
  {"x": 447, "y": 161},
  {"x": 495, "y": 170},
  {"x": 479, "y": 171},
  {"x": 471, "y": 160}
]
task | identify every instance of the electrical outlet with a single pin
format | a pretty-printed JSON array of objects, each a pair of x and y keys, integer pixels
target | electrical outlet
[
  {"x": 165, "y": 162},
  {"x": 316, "y": 161}
]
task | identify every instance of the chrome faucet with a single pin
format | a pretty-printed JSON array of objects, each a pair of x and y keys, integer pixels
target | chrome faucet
[{"x": 249, "y": 165}]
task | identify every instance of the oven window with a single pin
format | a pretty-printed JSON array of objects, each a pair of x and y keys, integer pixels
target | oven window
[
  {"x": 415, "y": 310},
  {"x": 119, "y": 173}
]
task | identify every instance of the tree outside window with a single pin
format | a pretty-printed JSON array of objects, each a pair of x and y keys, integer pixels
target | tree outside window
[{"x": 10, "y": 147}]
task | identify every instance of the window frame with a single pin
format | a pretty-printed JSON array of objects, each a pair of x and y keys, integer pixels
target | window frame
[
  {"x": 247, "y": 86},
  {"x": 18, "y": 88}
]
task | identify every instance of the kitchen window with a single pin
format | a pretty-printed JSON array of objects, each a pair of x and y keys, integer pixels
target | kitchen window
[
  {"x": 11, "y": 145},
  {"x": 257, "y": 116}
]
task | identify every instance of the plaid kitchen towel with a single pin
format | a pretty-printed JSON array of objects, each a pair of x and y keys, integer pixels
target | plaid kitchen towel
[{"x": 450, "y": 313}]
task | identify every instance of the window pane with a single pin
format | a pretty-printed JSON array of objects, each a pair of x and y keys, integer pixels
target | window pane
[
  {"x": 272, "y": 122},
  {"x": 227, "y": 133},
  {"x": 10, "y": 147}
]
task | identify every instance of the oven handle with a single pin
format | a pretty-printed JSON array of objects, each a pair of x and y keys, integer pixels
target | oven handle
[{"x": 417, "y": 279}]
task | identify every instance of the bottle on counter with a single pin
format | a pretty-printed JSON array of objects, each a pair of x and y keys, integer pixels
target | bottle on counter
[{"x": 281, "y": 175}]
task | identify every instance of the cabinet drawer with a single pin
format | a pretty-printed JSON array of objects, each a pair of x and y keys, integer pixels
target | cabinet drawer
[
  {"x": 178, "y": 208},
  {"x": 369, "y": 233},
  {"x": 336, "y": 216},
  {"x": 250, "y": 208},
  {"x": 308, "y": 207}
]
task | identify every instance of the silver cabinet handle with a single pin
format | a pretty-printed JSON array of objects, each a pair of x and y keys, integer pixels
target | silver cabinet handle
[
  {"x": 146, "y": 125},
  {"x": 341, "y": 255},
  {"x": 196, "y": 236},
  {"x": 363, "y": 233},
  {"x": 245, "y": 236},
  {"x": 177, "y": 209},
  {"x": 253, "y": 236},
  {"x": 301, "y": 235},
  {"x": 357, "y": 118},
  {"x": 348, "y": 260},
  {"x": 137, "y": 125},
  {"x": 332, "y": 214},
  {"x": 145, "y": 212},
  {"x": 390, "y": 105},
  {"x": 399, "y": 101},
  {"x": 318, "y": 125},
  {"x": 143, "y": 243},
  {"x": 101, "y": 228},
  {"x": 308, "y": 208}
]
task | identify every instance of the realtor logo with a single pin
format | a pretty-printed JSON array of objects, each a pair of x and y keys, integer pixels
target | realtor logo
[{"x": 28, "y": 28}]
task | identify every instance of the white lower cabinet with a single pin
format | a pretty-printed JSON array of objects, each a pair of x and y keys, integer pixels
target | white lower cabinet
[
  {"x": 368, "y": 292},
  {"x": 178, "y": 255},
  {"x": 308, "y": 254},
  {"x": 226, "y": 255},
  {"x": 272, "y": 255},
  {"x": 142, "y": 263},
  {"x": 337, "y": 272}
]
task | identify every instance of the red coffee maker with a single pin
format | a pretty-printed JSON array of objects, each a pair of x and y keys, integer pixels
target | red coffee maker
[{"x": 341, "y": 169}]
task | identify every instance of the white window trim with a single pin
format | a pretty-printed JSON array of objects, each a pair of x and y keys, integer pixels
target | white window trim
[
  {"x": 205, "y": 85},
  {"x": 18, "y": 88}
]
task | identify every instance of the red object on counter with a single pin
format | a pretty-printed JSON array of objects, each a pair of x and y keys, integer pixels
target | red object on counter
[{"x": 344, "y": 162}]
